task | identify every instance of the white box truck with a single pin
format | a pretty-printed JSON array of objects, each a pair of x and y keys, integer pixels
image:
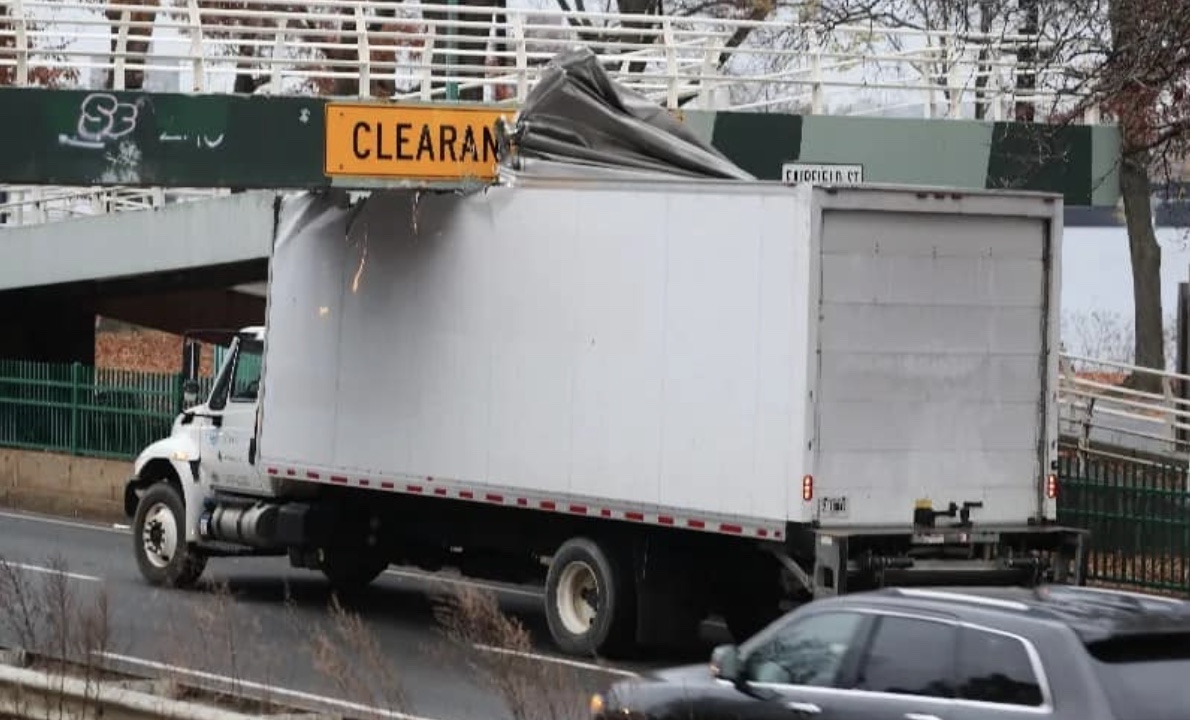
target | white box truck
[{"x": 662, "y": 399}]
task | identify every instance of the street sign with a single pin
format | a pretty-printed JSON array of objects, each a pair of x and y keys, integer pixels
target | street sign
[
  {"x": 822, "y": 174},
  {"x": 411, "y": 142}
]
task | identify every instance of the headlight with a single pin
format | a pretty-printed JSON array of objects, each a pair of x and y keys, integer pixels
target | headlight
[{"x": 596, "y": 704}]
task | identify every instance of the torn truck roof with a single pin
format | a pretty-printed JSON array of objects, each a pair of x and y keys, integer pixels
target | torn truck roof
[{"x": 577, "y": 115}]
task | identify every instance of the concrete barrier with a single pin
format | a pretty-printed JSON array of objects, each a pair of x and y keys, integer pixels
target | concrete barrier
[{"x": 63, "y": 485}]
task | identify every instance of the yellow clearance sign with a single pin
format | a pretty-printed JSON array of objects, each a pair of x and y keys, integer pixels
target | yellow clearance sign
[{"x": 411, "y": 141}]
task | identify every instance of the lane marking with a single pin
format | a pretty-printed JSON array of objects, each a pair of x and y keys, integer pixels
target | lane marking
[
  {"x": 50, "y": 571},
  {"x": 557, "y": 660},
  {"x": 273, "y": 690},
  {"x": 430, "y": 577},
  {"x": 29, "y": 517}
]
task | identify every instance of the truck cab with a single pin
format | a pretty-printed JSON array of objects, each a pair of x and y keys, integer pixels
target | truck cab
[
  {"x": 211, "y": 448},
  {"x": 226, "y": 421}
]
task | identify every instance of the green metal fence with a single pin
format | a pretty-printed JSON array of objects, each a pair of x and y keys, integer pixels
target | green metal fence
[
  {"x": 1139, "y": 517},
  {"x": 80, "y": 410}
]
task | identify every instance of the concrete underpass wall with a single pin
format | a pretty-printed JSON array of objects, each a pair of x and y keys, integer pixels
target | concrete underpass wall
[
  {"x": 167, "y": 269},
  {"x": 63, "y": 485},
  {"x": 190, "y": 235}
]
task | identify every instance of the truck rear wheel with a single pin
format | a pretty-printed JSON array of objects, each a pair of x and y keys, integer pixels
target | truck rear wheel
[
  {"x": 590, "y": 599},
  {"x": 159, "y": 540}
]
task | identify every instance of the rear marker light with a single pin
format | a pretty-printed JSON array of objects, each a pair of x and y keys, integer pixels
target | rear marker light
[
  {"x": 808, "y": 488},
  {"x": 1051, "y": 486}
]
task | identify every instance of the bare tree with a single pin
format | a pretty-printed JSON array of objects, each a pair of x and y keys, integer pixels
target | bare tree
[
  {"x": 1143, "y": 83},
  {"x": 975, "y": 39}
]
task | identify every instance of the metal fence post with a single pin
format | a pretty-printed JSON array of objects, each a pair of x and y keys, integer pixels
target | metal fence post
[
  {"x": 75, "y": 373},
  {"x": 179, "y": 392}
]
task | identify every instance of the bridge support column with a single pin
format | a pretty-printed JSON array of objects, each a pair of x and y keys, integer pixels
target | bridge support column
[{"x": 42, "y": 328}]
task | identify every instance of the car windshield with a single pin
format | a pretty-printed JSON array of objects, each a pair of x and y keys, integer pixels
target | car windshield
[{"x": 1145, "y": 678}]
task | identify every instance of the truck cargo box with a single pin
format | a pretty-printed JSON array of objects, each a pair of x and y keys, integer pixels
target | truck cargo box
[{"x": 722, "y": 356}]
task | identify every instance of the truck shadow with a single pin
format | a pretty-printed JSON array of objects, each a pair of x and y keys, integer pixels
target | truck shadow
[{"x": 406, "y": 604}]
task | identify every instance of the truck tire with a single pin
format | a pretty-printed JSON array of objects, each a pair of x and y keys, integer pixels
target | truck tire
[
  {"x": 159, "y": 540},
  {"x": 590, "y": 600},
  {"x": 350, "y": 571}
]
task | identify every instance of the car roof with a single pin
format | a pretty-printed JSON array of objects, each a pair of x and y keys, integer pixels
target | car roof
[{"x": 1095, "y": 614}]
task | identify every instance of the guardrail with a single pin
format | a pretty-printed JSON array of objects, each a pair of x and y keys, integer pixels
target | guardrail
[
  {"x": 1101, "y": 413},
  {"x": 81, "y": 691},
  {"x": 24, "y": 205},
  {"x": 377, "y": 48}
]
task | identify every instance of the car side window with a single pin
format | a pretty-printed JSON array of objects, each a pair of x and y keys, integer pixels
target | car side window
[
  {"x": 805, "y": 652},
  {"x": 246, "y": 383},
  {"x": 995, "y": 668},
  {"x": 911, "y": 656}
]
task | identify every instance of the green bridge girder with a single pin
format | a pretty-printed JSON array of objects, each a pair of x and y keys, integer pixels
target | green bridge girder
[{"x": 97, "y": 138}]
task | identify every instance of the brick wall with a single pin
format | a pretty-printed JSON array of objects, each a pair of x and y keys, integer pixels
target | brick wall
[{"x": 121, "y": 347}]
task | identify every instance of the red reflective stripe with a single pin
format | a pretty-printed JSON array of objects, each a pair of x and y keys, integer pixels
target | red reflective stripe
[{"x": 551, "y": 505}]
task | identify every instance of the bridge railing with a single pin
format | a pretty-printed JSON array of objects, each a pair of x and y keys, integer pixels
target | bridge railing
[
  {"x": 425, "y": 51},
  {"x": 1103, "y": 410},
  {"x": 24, "y": 205}
]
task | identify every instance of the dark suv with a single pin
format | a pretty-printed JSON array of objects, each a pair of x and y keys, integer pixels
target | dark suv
[{"x": 1062, "y": 652}]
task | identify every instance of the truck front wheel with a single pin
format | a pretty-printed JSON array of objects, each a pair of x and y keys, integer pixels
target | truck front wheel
[
  {"x": 590, "y": 599},
  {"x": 159, "y": 540}
]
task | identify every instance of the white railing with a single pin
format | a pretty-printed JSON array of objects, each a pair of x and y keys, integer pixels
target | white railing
[
  {"x": 371, "y": 48},
  {"x": 1100, "y": 413},
  {"x": 25, "y": 205}
]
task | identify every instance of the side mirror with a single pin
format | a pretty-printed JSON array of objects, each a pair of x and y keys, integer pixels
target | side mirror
[
  {"x": 190, "y": 390},
  {"x": 725, "y": 663}
]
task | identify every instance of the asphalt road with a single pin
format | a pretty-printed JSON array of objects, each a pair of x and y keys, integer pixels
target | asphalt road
[{"x": 272, "y": 631}]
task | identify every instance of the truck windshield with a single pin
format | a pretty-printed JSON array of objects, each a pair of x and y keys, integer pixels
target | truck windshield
[{"x": 1145, "y": 678}]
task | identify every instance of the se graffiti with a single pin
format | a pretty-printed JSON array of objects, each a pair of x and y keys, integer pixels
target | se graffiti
[{"x": 102, "y": 118}]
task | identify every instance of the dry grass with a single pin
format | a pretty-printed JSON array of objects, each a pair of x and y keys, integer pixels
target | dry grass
[
  {"x": 55, "y": 630},
  {"x": 64, "y": 628},
  {"x": 349, "y": 654},
  {"x": 496, "y": 647}
]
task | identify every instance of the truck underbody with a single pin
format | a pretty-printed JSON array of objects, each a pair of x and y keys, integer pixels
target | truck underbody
[{"x": 642, "y": 585}]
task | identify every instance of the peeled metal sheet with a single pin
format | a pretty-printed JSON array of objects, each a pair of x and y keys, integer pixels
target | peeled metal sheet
[{"x": 579, "y": 116}]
